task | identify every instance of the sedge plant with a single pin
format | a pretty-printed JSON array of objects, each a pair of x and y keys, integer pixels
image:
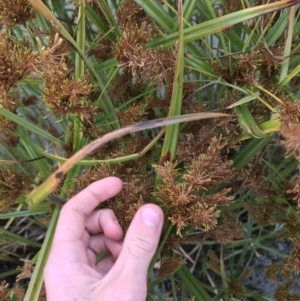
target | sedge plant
[{"x": 193, "y": 104}]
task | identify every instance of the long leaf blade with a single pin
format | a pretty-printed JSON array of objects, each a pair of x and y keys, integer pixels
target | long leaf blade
[
  {"x": 212, "y": 26},
  {"x": 41, "y": 192}
]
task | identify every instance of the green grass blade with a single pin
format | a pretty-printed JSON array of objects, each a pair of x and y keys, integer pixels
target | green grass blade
[
  {"x": 169, "y": 149},
  {"x": 277, "y": 29},
  {"x": 29, "y": 126},
  {"x": 79, "y": 72},
  {"x": 213, "y": 26},
  {"x": 193, "y": 284},
  {"x": 267, "y": 127},
  {"x": 248, "y": 123},
  {"x": 248, "y": 151},
  {"x": 99, "y": 23},
  {"x": 288, "y": 43},
  {"x": 156, "y": 11},
  {"x": 37, "y": 279},
  {"x": 243, "y": 101},
  {"x": 18, "y": 214},
  {"x": 15, "y": 237},
  {"x": 189, "y": 9},
  {"x": 107, "y": 12}
]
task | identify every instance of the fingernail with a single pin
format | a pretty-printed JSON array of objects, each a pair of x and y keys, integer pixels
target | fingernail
[{"x": 150, "y": 217}]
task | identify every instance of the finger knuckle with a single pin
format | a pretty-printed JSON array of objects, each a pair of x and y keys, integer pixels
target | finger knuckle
[{"x": 139, "y": 246}]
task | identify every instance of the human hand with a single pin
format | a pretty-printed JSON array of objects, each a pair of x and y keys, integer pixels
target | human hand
[{"x": 72, "y": 272}]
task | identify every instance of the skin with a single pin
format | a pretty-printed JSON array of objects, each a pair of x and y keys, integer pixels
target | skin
[{"x": 72, "y": 272}]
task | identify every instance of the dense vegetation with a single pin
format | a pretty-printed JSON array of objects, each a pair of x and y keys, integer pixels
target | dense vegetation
[{"x": 229, "y": 186}]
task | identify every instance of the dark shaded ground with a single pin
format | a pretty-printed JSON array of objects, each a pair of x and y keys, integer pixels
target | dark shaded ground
[{"x": 258, "y": 280}]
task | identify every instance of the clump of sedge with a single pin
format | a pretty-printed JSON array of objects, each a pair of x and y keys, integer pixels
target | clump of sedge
[
  {"x": 186, "y": 200},
  {"x": 16, "y": 61},
  {"x": 64, "y": 94},
  {"x": 130, "y": 50},
  {"x": 12, "y": 185},
  {"x": 15, "y": 12}
]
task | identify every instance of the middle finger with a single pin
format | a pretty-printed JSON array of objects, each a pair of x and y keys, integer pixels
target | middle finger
[
  {"x": 99, "y": 243},
  {"x": 104, "y": 221}
]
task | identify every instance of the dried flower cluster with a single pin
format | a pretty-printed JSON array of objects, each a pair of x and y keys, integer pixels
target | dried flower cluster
[
  {"x": 124, "y": 88},
  {"x": 16, "y": 62},
  {"x": 271, "y": 208},
  {"x": 265, "y": 213},
  {"x": 64, "y": 94},
  {"x": 271, "y": 61},
  {"x": 186, "y": 200},
  {"x": 12, "y": 185},
  {"x": 169, "y": 266},
  {"x": 295, "y": 192},
  {"x": 26, "y": 271},
  {"x": 150, "y": 65},
  {"x": 133, "y": 114},
  {"x": 4, "y": 291},
  {"x": 287, "y": 271},
  {"x": 67, "y": 93},
  {"x": 283, "y": 292},
  {"x": 15, "y": 12},
  {"x": 290, "y": 127},
  {"x": 8, "y": 127},
  {"x": 52, "y": 55},
  {"x": 103, "y": 50},
  {"x": 19, "y": 61},
  {"x": 231, "y": 6},
  {"x": 131, "y": 13},
  {"x": 250, "y": 67},
  {"x": 227, "y": 230},
  {"x": 19, "y": 292},
  {"x": 243, "y": 71}
]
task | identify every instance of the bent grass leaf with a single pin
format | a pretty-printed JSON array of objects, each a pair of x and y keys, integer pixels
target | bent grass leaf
[
  {"x": 242, "y": 101},
  {"x": 248, "y": 123},
  {"x": 267, "y": 127},
  {"x": 104, "y": 161},
  {"x": 46, "y": 188}
]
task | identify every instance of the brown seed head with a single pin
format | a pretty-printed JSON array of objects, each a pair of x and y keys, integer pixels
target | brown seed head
[{"x": 15, "y": 12}]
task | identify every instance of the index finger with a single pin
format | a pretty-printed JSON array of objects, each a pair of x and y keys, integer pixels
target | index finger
[{"x": 71, "y": 223}]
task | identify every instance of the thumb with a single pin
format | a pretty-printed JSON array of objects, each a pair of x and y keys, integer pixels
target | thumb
[{"x": 139, "y": 246}]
